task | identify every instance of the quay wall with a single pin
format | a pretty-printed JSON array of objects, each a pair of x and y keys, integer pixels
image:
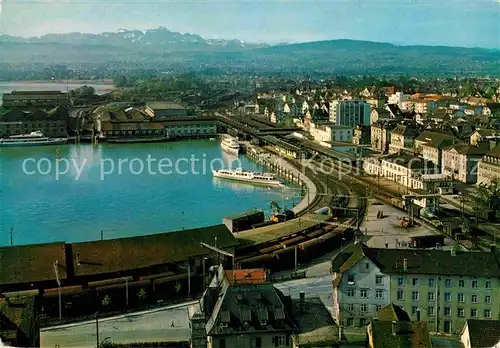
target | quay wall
[{"x": 284, "y": 169}]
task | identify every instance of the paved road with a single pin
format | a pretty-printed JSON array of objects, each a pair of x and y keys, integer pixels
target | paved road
[
  {"x": 148, "y": 326},
  {"x": 156, "y": 325}
]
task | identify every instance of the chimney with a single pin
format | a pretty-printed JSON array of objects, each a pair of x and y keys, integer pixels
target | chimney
[
  {"x": 493, "y": 248},
  {"x": 405, "y": 264},
  {"x": 78, "y": 258},
  {"x": 394, "y": 328}
]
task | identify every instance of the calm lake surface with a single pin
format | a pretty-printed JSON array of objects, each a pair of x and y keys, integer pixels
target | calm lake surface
[{"x": 105, "y": 188}]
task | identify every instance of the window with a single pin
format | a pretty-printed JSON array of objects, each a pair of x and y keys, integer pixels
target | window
[
  {"x": 379, "y": 280},
  {"x": 473, "y": 313},
  {"x": 350, "y": 321},
  {"x": 350, "y": 279},
  {"x": 431, "y": 281},
  {"x": 447, "y": 297},
  {"x": 447, "y": 311},
  {"x": 430, "y": 296},
  {"x": 461, "y": 298},
  {"x": 487, "y": 285},
  {"x": 447, "y": 283},
  {"x": 378, "y": 307},
  {"x": 279, "y": 340},
  {"x": 364, "y": 293},
  {"x": 487, "y": 313},
  {"x": 364, "y": 308},
  {"x": 401, "y": 281},
  {"x": 460, "y": 312},
  {"x": 400, "y": 295},
  {"x": 487, "y": 299},
  {"x": 414, "y": 296},
  {"x": 461, "y": 283},
  {"x": 415, "y": 281},
  {"x": 474, "y": 299},
  {"x": 350, "y": 307},
  {"x": 362, "y": 322},
  {"x": 222, "y": 343},
  {"x": 379, "y": 294},
  {"x": 258, "y": 342},
  {"x": 430, "y": 311},
  {"x": 350, "y": 292},
  {"x": 414, "y": 310},
  {"x": 474, "y": 283}
]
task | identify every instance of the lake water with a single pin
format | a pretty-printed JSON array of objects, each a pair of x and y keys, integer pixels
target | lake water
[
  {"x": 9, "y": 86},
  {"x": 104, "y": 188}
]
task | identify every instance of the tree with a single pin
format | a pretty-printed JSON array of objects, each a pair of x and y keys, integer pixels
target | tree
[
  {"x": 142, "y": 294},
  {"x": 106, "y": 301},
  {"x": 490, "y": 194}
]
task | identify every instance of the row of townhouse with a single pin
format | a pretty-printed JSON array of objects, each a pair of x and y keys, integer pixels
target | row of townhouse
[{"x": 443, "y": 288}]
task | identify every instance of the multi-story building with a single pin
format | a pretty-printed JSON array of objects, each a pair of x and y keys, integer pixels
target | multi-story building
[
  {"x": 35, "y": 99},
  {"x": 361, "y": 135},
  {"x": 412, "y": 172},
  {"x": 431, "y": 144},
  {"x": 489, "y": 166},
  {"x": 443, "y": 288},
  {"x": 397, "y": 98},
  {"x": 352, "y": 112},
  {"x": 461, "y": 161},
  {"x": 160, "y": 110},
  {"x": 243, "y": 309},
  {"x": 330, "y": 132},
  {"x": 380, "y": 113},
  {"x": 380, "y": 134},
  {"x": 53, "y": 123},
  {"x": 402, "y": 137}
]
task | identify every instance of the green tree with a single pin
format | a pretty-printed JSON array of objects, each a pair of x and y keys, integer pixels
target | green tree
[
  {"x": 106, "y": 301},
  {"x": 490, "y": 194},
  {"x": 142, "y": 294}
]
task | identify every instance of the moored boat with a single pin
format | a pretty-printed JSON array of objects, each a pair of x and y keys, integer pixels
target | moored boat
[
  {"x": 230, "y": 144},
  {"x": 268, "y": 179},
  {"x": 32, "y": 139}
]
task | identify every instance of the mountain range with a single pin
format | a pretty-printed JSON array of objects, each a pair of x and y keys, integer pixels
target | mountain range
[{"x": 166, "y": 49}]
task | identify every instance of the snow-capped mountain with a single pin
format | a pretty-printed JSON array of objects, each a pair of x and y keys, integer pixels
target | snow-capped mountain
[{"x": 160, "y": 37}]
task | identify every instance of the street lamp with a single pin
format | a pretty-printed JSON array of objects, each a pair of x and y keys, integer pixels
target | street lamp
[{"x": 56, "y": 272}]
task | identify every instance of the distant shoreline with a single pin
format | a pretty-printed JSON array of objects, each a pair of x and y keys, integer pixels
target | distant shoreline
[{"x": 69, "y": 82}]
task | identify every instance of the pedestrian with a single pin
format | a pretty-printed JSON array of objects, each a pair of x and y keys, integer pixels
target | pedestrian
[{"x": 172, "y": 325}]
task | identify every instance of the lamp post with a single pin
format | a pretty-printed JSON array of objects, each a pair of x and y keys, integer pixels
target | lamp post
[
  {"x": 11, "y": 239},
  {"x": 56, "y": 272}
]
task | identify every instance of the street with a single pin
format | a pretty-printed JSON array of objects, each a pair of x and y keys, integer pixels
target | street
[{"x": 150, "y": 326}]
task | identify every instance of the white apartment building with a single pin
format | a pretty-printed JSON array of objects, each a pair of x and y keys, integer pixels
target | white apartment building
[
  {"x": 330, "y": 132},
  {"x": 397, "y": 98},
  {"x": 443, "y": 288}
]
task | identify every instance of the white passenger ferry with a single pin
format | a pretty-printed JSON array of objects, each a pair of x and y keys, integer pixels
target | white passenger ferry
[
  {"x": 268, "y": 179},
  {"x": 230, "y": 144},
  {"x": 33, "y": 139}
]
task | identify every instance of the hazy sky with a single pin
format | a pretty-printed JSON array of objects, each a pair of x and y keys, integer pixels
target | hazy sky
[{"x": 473, "y": 23}]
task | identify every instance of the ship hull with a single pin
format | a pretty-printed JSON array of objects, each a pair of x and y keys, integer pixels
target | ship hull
[
  {"x": 44, "y": 143},
  {"x": 247, "y": 180},
  {"x": 230, "y": 150}
]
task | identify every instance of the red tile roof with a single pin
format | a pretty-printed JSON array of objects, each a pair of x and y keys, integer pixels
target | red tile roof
[{"x": 246, "y": 276}]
